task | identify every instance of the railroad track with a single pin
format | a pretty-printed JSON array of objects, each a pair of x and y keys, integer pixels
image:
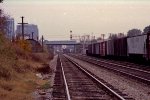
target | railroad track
[
  {"x": 79, "y": 84},
  {"x": 138, "y": 74},
  {"x": 59, "y": 92},
  {"x": 124, "y": 63}
]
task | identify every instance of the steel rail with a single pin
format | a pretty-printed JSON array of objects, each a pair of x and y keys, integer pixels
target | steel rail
[
  {"x": 97, "y": 80},
  {"x": 66, "y": 85},
  {"x": 123, "y": 66},
  {"x": 134, "y": 76},
  {"x": 92, "y": 58}
]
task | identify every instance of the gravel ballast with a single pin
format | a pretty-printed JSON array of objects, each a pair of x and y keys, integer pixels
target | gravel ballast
[
  {"x": 128, "y": 86},
  {"x": 46, "y": 94}
]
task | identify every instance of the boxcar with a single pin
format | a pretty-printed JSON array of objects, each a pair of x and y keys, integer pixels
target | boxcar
[
  {"x": 148, "y": 47},
  {"x": 110, "y": 47},
  {"x": 89, "y": 51},
  {"x": 103, "y": 48},
  {"x": 120, "y": 47},
  {"x": 97, "y": 47},
  {"x": 92, "y": 49},
  {"x": 137, "y": 46}
]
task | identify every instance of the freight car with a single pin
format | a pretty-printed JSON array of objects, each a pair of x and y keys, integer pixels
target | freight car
[
  {"x": 97, "y": 49},
  {"x": 120, "y": 47},
  {"x": 93, "y": 49},
  {"x": 135, "y": 47},
  {"x": 89, "y": 50},
  {"x": 103, "y": 48},
  {"x": 110, "y": 48},
  {"x": 117, "y": 48}
]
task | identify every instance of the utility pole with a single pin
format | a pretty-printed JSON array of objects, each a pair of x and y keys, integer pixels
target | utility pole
[
  {"x": 22, "y": 23},
  {"x": 42, "y": 43}
]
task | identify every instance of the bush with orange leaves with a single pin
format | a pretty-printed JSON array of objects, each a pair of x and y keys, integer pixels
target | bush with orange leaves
[{"x": 23, "y": 44}]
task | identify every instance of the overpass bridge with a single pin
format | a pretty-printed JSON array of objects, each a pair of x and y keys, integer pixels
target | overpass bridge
[
  {"x": 59, "y": 46},
  {"x": 66, "y": 42}
]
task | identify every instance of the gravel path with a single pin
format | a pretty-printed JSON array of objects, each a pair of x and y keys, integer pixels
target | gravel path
[
  {"x": 128, "y": 86},
  {"x": 47, "y": 94}
]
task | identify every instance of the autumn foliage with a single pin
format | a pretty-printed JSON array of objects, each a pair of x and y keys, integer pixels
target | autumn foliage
[
  {"x": 18, "y": 67},
  {"x": 23, "y": 44}
]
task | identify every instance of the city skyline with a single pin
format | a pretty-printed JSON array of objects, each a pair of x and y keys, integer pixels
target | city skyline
[
  {"x": 10, "y": 31},
  {"x": 29, "y": 30},
  {"x": 56, "y": 19}
]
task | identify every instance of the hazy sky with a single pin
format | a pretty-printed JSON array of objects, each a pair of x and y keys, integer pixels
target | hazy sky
[{"x": 55, "y": 18}]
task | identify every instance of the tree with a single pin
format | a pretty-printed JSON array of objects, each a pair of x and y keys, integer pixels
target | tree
[
  {"x": 134, "y": 32},
  {"x": 2, "y": 21},
  {"x": 120, "y": 35},
  {"x": 113, "y": 36},
  {"x": 1, "y": 1},
  {"x": 99, "y": 38},
  {"x": 146, "y": 29}
]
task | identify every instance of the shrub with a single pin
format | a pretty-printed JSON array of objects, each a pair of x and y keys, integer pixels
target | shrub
[{"x": 25, "y": 45}]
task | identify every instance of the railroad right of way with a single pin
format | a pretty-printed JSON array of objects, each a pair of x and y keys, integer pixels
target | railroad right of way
[
  {"x": 72, "y": 82},
  {"x": 124, "y": 84},
  {"x": 131, "y": 72}
]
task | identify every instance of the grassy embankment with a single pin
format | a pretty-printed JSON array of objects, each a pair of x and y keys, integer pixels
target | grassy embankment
[{"x": 17, "y": 71}]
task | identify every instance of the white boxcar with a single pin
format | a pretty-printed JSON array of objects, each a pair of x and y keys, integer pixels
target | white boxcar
[{"x": 137, "y": 44}]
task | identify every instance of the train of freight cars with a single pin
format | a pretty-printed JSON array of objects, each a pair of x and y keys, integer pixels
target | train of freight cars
[{"x": 136, "y": 47}]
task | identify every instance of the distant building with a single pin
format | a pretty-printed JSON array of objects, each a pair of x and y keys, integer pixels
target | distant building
[
  {"x": 28, "y": 30},
  {"x": 10, "y": 27}
]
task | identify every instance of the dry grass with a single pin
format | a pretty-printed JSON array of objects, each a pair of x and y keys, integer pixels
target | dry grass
[
  {"x": 41, "y": 57},
  {"x": 18, "y": 89},
  {"x": 17, "y": 71}
]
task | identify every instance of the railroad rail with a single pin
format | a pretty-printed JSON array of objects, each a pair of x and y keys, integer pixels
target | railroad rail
[
  {"x": 80, "y": 84},
  {"x": 59, "y": 91},
  {"x": 124, "y": 63},
  {"x": 138, "y": 74}
]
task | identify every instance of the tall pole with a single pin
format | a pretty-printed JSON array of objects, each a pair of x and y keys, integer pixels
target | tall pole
[
  {"x": 22, "y": 23},
  {"x": 22, "y": 28},
  {"x": 42, "y": 43}
]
